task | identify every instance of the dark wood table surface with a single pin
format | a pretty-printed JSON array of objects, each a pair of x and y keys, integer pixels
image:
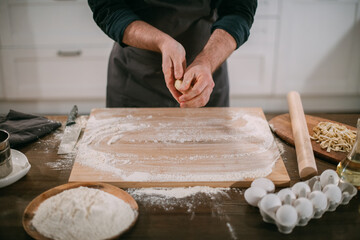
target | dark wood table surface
[{"x": 223, "y": 217}]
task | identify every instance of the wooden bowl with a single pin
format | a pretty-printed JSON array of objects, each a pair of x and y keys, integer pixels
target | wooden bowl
[{"x": 35, "y": 203}]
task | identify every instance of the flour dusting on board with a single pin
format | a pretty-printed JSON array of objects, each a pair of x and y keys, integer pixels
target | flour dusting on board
[{"x": 224, "y": 145}]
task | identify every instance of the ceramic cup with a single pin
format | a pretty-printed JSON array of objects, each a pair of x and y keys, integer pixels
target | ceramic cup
[{"x": 5, "y": 154}]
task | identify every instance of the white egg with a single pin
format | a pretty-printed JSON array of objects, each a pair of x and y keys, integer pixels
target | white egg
[
  {"x": 284, "y": 192},
  {"x": 304, "y": 207},
  {"x": 253, "y": 195},
  {"x": 326, "y": 179},
  {"x": 297, "y": 189},
  {"x": 319, "y": 200},
  {"x": 265, "y": 184},
  {"x": 333, "y": 193},
  {"x": 270, "y": 202},
  {"x": 286, "y": 215}
]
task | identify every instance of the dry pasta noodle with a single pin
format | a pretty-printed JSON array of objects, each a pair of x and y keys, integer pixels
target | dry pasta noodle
[{"x": 334, "y": 137}]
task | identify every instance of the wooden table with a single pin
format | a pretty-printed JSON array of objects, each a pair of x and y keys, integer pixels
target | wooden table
[{"x": 224, "y": 217}]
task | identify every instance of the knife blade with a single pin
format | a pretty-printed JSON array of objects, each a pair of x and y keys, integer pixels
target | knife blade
[{"x": 71, "y": 133}]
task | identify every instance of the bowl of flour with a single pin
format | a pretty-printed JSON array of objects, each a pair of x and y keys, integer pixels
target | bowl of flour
[{"x": 80, "y": 211}]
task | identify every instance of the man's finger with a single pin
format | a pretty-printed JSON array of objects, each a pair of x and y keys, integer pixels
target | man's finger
[
  {"x": 169, "y": 79},
  {"x": 196, "y": 90},
  {"x": 167, "y": 68},
  {"x": 189, "y": 76},
  {"x": 178, "y": 68},
  {"x": 200, "y": 100},
  {"x": 175, "y": 93}
]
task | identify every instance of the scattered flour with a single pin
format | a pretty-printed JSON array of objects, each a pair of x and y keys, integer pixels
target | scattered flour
[
  {"x": 177, "y": 192},
  {"x": 62, "y": 164},
  {"x": 189, "y": 198},
  {"x": 280, "y": 145},
  {"x": 245, "y": 147},
  {"x": 83, "y": 213},
  {"x": 231, "y": 230}
]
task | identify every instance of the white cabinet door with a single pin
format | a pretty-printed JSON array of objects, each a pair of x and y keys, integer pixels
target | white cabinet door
[
  {"x": 1, "y": 82},
  {"x": 49, "y": 74},
  {"x": 319, "y": 47},
  {"x": 48, "y": 22},
  {"x": 267, "y": 8},
  {"x": 251, "y": 66}
]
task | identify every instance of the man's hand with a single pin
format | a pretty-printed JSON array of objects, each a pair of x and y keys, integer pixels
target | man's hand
[
  {"x": 197, "y": 85},
  {"x": 199, "y": 74},
  {"x": 142, "y": 35},
  {"x": 173, "y": 64}
]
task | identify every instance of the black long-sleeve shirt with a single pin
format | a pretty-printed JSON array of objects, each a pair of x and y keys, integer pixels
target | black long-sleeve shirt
[{"x": 113, "y": 16}]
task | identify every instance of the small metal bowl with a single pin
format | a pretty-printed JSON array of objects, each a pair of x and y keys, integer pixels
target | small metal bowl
[
  {"x": 6, "y": 166},
  {"x": 4, "y": 139}
]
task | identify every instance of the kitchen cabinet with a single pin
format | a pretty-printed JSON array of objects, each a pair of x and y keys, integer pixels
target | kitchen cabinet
[
  {"x": 29, "y": 23},
  {"x": 55, "y": 74},
  {"x": 319, "y": 51},
  {"x": 251, "y": 67},
  {"x": 52, "y": 50},
  {"x": 1, "y": 82}
]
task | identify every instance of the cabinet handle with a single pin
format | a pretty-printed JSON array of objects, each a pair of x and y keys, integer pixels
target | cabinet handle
[{"x": 62, "y": 53}]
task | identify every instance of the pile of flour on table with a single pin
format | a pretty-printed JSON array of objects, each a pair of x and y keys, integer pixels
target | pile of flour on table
[{"x": 83, "y": 213}]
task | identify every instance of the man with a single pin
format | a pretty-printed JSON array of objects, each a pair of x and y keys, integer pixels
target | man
[{"x": 157, "y": 42}]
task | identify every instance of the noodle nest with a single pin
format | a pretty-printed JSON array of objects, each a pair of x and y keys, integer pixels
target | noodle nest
[{"x": 332, "y": 136}]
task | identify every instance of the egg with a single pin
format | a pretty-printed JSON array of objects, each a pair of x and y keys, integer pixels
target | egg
[
  {"x": 265, "y": 184},
  {"x": 287, "y": 216},
  {"x": 297, "y": 189},
  {"x": 333, "y": 194},
  {"x": 319, "y": 200},
  {"x": 253, "y": 195},
  {"x": 285, "y": 192},
  {"x": 326, "y": 179},
  {"x": 304, "y": 207},
  {"x": 270, "y": 202}
]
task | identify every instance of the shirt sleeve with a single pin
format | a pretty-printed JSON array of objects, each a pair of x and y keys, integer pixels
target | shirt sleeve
[
  {"x": 112, "y": 17},
  {"x": 236, "y": 17}
]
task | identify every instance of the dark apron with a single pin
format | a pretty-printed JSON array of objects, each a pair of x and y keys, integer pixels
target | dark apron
[{"x": 135, "y": 77}]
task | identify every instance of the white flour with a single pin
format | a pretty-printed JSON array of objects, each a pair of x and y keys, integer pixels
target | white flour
[
  {"x": 177, "y": 192},
  {"x": 190, "y": 199},
  {"x": 63, "y": 162},
  {"x": 185, "y": 197},
  {"x": 83, "y": 213},
  {"x": 280, "y": 145},
  {"x": 115, "y": 146}
]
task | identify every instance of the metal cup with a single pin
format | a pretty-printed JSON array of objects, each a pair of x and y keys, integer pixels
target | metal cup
[
  {"x": 4, "y": 139},
  {"x": 5, "y": 154}
]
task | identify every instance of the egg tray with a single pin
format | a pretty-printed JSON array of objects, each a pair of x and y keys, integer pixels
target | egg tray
[{"x": 296, "y": 206}]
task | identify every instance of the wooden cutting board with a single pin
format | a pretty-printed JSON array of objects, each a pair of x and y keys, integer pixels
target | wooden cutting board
[
  {"x": 173, "y": 147},
  {"x": 281, "y": 125}
]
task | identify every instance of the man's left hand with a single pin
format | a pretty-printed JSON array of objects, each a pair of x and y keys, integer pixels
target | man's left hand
[{"x": 197, "y": 85}]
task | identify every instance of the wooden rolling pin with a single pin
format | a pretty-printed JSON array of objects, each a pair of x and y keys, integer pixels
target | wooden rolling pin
[{"x": 304, "y": 152}]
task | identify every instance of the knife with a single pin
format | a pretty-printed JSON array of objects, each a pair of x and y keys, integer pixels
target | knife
[{"x": 71, "y": 133}]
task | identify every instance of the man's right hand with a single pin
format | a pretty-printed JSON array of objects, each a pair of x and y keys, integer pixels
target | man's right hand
[
  {"x": 173, "y": 64},
  {"x": 142, "y": 35}
]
